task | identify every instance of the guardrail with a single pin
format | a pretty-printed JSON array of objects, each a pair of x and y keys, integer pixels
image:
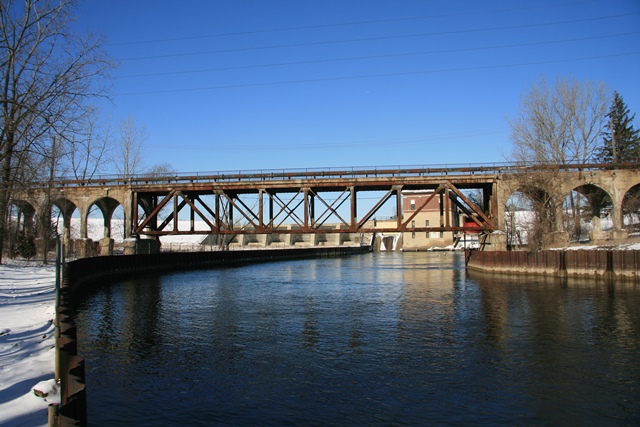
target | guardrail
[{"x": 329, "y": 173}]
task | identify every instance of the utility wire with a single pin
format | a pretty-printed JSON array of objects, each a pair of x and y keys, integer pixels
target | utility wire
[
  {"x": 406, "y": 73},
  {"x": 359, "y": 58},
  {"x": 332, "y": 25},
  {"x": 422, "y": 140},
  {"x": 438, "y": 33}
]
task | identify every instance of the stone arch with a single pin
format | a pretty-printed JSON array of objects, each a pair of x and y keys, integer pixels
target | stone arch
[
  {"x": 66, "y": 208},
  {"x": 23, "y": 213},
  {"x": 21, "y": 225},
  {"x": 630, "y": 209},
  {"x": 539, "y": 216},
  {"x": 546, "y": 190},
  {"x": 584, "y": 207},
  {"x": 516, "y": 219},
  {"x": 107, "y": 206}
]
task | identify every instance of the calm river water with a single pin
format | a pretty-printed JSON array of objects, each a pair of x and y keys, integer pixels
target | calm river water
[{"x": 376, "y": 339}]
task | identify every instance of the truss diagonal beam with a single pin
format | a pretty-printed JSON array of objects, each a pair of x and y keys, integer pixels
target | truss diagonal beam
[
  {"x": 284, "y": 207},
  {"x": 233, "y": 203},
  {"x": 194, "y": 208},
  {"x": 472, "y": 205},
  {"x": 331, "y": 210},
  {"x": 377, "y": 206},
  {"x": 154, "y": 213}
]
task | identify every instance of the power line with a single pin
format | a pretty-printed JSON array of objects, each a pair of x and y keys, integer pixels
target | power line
[
  {"x": 438, "y": 33},
  {"x": 358, "y": 58},
  {"x": 422, "y": 140},
  {"x": 406, "y": 73},
  {"x": 332, "y": 25}
]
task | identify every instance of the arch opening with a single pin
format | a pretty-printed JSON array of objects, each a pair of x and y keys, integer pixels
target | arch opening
[
  {"x": 20, "y": 236},
  {"x": 530, "y": 216},
  {"x": 631, "y": 210},
  {"x": 586, "y": 213}
]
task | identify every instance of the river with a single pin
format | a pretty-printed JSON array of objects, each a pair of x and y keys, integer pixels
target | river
[{"x": 376, "y": 339}]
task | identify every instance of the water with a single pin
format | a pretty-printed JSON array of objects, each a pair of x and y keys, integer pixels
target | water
[{"x": 378, "y": 339}]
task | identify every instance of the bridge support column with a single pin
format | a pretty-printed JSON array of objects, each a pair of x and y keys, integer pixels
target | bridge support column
[
  {"x": 618, "y": 233},
  {"x": 596, "y": 230},
  {"x": 84, "y": 248},
  {"x": 136, "y": 246},
  {"x": 106, "y": 246},
  {"x": 497, "y": 241}
]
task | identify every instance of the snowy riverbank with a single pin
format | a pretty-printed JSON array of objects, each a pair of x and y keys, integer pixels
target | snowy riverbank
[{"x": 27, "y": 300}]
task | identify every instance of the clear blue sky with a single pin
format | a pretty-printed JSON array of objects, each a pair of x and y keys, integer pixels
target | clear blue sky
[{"x": 248, "y": 84}]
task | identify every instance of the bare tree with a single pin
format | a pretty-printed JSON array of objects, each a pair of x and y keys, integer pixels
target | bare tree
[
  {"x": 559, "y": 125},
  {"x": 47, "y": 73},
  {"x": 556, "y": 125},
  {"x": 161, "y": 170},
  {"x": 128, "y": 156},
  {"x": 89, "y": 148}
]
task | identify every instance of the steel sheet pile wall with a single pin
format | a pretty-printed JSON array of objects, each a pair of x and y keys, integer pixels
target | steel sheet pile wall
[
  {"x": 85, "y": 272},
  {"x": 72, "y": 409},
  {"x": 614, "y": 263},
  {"x": 81, "y": 274}
]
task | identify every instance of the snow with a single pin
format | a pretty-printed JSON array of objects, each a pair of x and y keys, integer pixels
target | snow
[{"x": 27, "y": 308}]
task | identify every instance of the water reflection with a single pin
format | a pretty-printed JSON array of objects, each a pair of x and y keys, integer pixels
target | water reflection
[{"x": 383, "y": 339}]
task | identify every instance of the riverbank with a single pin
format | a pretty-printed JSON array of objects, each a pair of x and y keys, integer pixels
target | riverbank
[{"x": 27, "y": 307}]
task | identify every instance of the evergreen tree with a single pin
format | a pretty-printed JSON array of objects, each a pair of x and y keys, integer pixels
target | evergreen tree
[{"x": 621, "y": 142}]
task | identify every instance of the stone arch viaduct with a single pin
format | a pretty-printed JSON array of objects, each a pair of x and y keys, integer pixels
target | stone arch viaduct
[{"x": 311, "y": 201}]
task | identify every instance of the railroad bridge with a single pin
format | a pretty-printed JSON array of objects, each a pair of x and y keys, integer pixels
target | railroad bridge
[{"x": 290, "y": 202}]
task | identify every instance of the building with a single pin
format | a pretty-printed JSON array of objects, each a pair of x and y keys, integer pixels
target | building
[{"x": 430, "y": 215}]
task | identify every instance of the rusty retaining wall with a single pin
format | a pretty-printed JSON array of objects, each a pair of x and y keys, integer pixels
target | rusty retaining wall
[
  {"x": 574, "y": 263},
  {"x": 84, "y": 273}
]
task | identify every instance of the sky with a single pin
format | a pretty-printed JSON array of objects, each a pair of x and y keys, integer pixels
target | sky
[{"x": 259, "y": 85}]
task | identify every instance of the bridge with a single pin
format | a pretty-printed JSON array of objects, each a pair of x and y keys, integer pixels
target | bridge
[{"x": 470, "y": 199}]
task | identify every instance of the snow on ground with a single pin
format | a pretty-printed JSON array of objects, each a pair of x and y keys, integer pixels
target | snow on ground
[
  {"x": 95, "y": 231},
  {"x": 27, "y": 307}
]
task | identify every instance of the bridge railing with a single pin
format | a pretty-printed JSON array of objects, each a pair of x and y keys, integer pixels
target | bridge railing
[{"x": 329, "y": 173}]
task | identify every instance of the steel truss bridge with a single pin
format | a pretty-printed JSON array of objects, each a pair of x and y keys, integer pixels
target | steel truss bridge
[
  {"x": 305, "y": 202},
  {"x": 316, "y": 201}
]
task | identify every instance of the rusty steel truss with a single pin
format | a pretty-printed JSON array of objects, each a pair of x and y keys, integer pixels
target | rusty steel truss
[{"x": 313, "y": 202}]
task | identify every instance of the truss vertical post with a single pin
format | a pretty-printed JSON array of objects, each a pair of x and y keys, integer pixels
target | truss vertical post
[
  {"x": 193, "y": 216},
  {"x": 398, "y": 207},
  {"x": 260, "y": 208},
  {"x": 134, "y": 214},
  {"x": 442, "y": 211},
  {"x": 354, "y": 208},
  {"x": 494, "y": 208},
  {"x": 447, "y": 207},
  {"x": 175, "y": 212},
  {"x": 312, "y": 208},
  {"x": 305, "y": 195},
  {"x": 271, "y": 210},
  {"x": 230, "y": 204},
  {"x": 154, "y": 221},
  {"x": 218, "y": 216}
]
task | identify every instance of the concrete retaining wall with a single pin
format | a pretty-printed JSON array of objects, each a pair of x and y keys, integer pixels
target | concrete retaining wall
[{"x": 595, "y": 263}]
